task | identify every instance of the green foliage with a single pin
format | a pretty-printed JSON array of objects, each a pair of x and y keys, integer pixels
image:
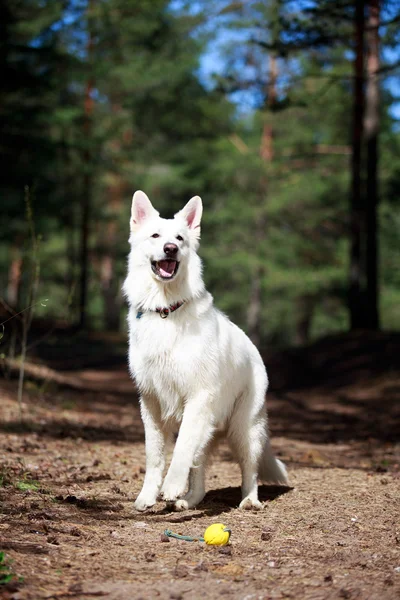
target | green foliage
[
  {"x": 27, "y": 485},
  {"x": 6, "y": 573},
  {"x": 102, "y": 98}
]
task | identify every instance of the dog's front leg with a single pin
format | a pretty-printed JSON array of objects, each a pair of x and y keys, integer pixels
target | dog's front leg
[
  {"x": 195, "y": 432},
  {"x": 155, "y": 459}
]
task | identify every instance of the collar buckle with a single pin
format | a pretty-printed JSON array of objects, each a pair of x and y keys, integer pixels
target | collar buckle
[{"x": 163, "y": 312}]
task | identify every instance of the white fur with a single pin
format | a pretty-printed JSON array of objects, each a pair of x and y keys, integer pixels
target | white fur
[{"x": 196, "y": 371}]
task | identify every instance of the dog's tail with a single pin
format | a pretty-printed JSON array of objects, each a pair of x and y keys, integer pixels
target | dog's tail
[{"x": 272, "y": 470}]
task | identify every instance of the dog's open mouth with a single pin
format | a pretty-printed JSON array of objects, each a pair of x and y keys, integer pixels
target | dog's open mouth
[{"x": 165, "y": 269}]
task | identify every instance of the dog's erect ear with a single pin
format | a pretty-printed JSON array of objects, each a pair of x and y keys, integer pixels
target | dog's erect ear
[
  {"x": 142, "y": 209},
  {"x": 192, "y": 214}
]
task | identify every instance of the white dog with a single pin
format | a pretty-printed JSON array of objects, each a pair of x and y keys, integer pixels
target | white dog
[{"x": 195, "y": 370}]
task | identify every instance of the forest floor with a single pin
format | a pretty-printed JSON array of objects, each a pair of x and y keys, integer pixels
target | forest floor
[{"x": 71, "y": 470}]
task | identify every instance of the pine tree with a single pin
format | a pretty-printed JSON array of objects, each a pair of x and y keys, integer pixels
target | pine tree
[
  {"x": 322, "y": 32},
  {"x": 371, "y": 128},
  {"x": 28, "y": 70}
]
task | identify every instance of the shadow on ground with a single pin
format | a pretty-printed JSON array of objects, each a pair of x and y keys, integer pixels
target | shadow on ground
[
  {"x": 327, "y": 418},
  {"x": 335, "y": 361},
  {"x": 216, "y": 502},
  {"x": 340, "y": 389},
  {"x": 63, "y": 429}
]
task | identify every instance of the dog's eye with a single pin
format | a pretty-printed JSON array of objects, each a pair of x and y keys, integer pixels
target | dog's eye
[
  {"x": 155, "y": 235},
  {"x": 180, "y": 238}
]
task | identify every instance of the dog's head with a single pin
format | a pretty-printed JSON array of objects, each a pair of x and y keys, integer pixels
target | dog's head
[{"x": 164, "y": 244}]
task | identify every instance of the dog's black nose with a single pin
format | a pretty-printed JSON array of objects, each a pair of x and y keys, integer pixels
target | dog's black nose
[{"x": 170, "y": 249}]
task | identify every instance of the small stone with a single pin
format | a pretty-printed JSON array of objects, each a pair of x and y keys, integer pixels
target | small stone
[
  {"x": 267, "y": 534},
  {"x": 71, "y": 499},
  {"x": 149, "y": 556},
  {"x": 201, "y": 566},
  {"x": 180, "y": 571},
  {"x": 380, "y": 469},
  {"x": 51, "y": 539},
  {"x": 164, "y": 538}
]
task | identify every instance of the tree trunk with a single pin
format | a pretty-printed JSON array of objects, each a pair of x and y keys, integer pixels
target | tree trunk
[
  {"x": 371, "y": 127},
  {"x": 267, "y": 154},
  {"x": 71, "y": 227},
  {"x": 254, "y": 308},
  {"x": 87, "y": 189},
  {"x": 305, "y": 310},
  {"x": 109, "y": 283},
  {"x": 267, "y": 139},
  {"x": 356, "y": 304},
  {"x": 111, "y": 305}
]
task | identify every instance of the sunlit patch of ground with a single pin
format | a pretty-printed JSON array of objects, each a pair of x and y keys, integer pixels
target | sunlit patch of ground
[{"x": 70, "y": 471}]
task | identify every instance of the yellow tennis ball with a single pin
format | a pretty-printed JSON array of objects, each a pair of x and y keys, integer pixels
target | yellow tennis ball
[{"x": 217, "y": 535}]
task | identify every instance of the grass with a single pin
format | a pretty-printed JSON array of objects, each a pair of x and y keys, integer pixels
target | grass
[
  {"x": 27, "y": 485},
  {"x": 7, "y": 478},
  {"x": 6, "y": 573}
]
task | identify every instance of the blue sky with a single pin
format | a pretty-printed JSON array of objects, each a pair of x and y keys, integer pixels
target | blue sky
[{"x": 214, "y": 61}]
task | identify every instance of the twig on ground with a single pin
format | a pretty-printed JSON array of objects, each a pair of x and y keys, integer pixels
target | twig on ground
[{"x": 23, "y": 547}]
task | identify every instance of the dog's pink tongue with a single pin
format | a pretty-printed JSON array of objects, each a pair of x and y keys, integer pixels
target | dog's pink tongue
[{"x": 166, "y": 267}]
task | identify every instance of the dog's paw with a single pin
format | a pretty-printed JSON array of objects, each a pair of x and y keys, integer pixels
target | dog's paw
[
  {"x": 142, "y": 503},
  {"x": 181, "y": 505},
  {"x": 171, "y": 492},
  {"x": 250, "y": 504}
]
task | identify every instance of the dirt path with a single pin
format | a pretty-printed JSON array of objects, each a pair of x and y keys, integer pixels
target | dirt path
[{"x": 70, "y": 473}]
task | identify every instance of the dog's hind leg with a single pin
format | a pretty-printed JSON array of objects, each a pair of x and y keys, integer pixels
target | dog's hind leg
[
  {"x": 272, "y": 470},
  {"x": 248, "y": 447},
  {"x": 196, "y": 491},
  {"x": 247, "y": 436}
]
